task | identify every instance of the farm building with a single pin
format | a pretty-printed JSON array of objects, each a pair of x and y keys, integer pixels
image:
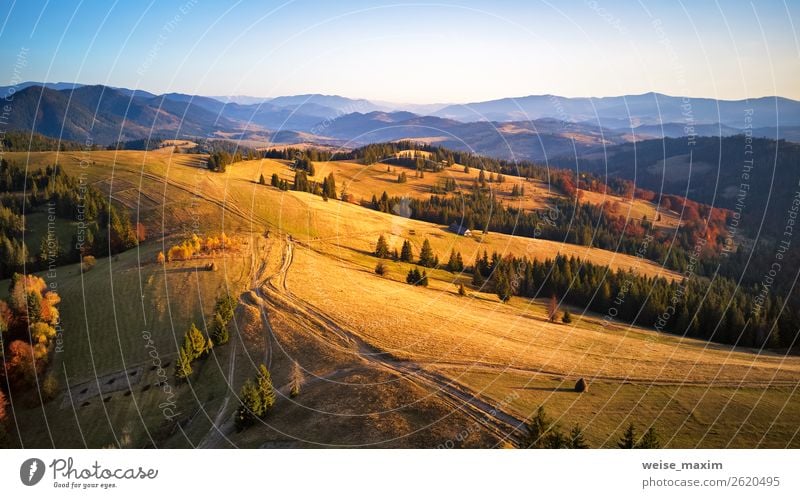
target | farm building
[{"x": 460, "y": 229}]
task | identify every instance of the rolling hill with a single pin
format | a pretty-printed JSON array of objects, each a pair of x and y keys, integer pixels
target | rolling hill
[{"x": 386, "y": 364}]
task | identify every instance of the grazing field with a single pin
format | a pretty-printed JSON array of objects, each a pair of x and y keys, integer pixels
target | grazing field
[{"x": 385, "y": 363}]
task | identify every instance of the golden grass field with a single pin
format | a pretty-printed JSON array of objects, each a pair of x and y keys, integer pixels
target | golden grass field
[{"x": 386, "y": 364}]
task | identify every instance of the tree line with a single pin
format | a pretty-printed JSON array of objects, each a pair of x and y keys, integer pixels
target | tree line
[{"x": 105, "y": 229}]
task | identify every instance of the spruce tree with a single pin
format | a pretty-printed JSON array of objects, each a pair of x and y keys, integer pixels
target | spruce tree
[
  {"x": 250, "y": 405},
  {"x": 382, "y": 248},
  {"x": 426, "y": 257},
  {"x": 650, "y": 440},
  {"x": 266, "y": 393},
  {"x": 503, "y": 288},
  {"x": 406, "y": 253},
  {"x": 183, "y": 367},
  {"x": 576, "y": 440},
  {"x": 199, "y": 343},
  {"x": 628, "y": 439},
  {"x": 567, "y": 318},
  {"x": 262, "y": 180},
  {"x": 219, "y": 330}
]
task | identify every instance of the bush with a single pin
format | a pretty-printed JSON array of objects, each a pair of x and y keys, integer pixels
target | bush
[
  {"x": 581, "y": 386},
  {"x": 567, "y": 317},
  {"x": 49, "y": 388},
  {"x": 88, "y": 262},
  {"x": 381, "y": 269}
]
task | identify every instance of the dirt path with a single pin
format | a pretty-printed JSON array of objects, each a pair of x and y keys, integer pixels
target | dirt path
[
  {"x": 276, "y": 291},
  {"x": 217, "y": 432}
]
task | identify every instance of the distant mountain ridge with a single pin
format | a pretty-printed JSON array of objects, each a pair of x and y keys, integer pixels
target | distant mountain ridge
[
  {"x": 533, "y": 127},
  {"x": 633, "y": 110}
]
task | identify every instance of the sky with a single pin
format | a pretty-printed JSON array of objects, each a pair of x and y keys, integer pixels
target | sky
[{"x": 415, "y": 52}]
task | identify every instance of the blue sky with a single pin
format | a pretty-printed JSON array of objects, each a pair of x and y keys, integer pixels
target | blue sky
[{"x": 419, "y": 52}]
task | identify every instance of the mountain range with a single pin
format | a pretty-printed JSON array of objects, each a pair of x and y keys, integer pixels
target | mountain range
[{"x": 534, "y": 127}]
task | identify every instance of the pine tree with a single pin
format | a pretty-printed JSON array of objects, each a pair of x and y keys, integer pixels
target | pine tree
[
  {"x": 567, "y": 317},
  {"x": 296, "y": 381},
  {"x": 503, "y": 288},
  {"x": 250, "y": 404},
  {"x": 576, "y": 440},
  {"x": 266, "y": 393},
  {"x": 262, "y": 180},
  {"x": 455, "y": 263},
  {"x": 406, "y": 254},
  {"x": 382, "y": 248},
  {"x": 199, "y": 344},
  {"x": 538, "y": 428},
  {"x": 628, "y": 440},
  {"x": 650, "y": 440},
  {"x": 426, "y": 257},
  {"x": 183, "y": 367},
  {"x": 276, "y": 181},
  {"x": 219, "y": 330}
]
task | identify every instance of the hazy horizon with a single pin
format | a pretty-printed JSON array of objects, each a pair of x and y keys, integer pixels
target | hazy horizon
[{"x": 382, "y": 100}]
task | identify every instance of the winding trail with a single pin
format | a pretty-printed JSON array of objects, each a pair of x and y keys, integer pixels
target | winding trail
[
  {"x": 276, "y": 291},
  {"x": 216, "y": 433}
]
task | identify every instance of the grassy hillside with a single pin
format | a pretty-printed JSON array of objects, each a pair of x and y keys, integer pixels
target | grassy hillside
[{"x": 385, "y": 363}]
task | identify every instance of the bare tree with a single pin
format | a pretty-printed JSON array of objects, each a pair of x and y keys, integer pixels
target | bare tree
[
  {"x": 552, "y": 309},
  {"x": 297, "y": 380}
]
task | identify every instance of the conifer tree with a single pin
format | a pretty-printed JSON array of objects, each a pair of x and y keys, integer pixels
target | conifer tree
[
  {"x": 426, "y": 257},
  {"x": 576, "y": 439},
  {"x": 650, "y": 440},
  {"x": 250, "y": 405},
  {"x": 266, "y": 393},
  {"x": 567, "y": 317},
  {"x": 382, "y": 248},
  {"x": 200, "y": 345},
  {"x": 628, "y": 439},
  {"x": 406, "y": 254},
  {"x": 262, "y": 180},
  {"x": 183, "y": 367},
  {"x": 219, "y": 330}
]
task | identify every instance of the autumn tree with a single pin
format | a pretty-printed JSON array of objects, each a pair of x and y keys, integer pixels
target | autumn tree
[
  {"x": 296, "y": 381},
  {"x": 552, "y": 309},
  {"x": 3, "y": 410},
  {"x": 160, "y": 259}
]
